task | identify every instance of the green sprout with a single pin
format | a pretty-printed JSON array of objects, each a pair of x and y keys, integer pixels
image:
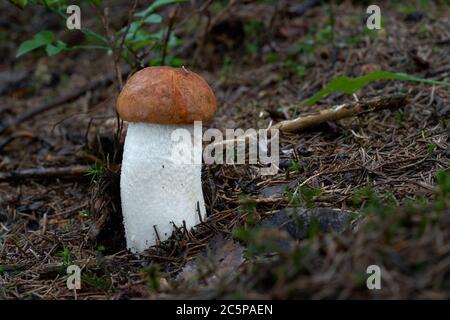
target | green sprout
[{"x": 96, "y": 171}]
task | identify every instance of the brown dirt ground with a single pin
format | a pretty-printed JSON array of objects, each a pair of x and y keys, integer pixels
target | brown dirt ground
[{"x": 397, "y": 152}]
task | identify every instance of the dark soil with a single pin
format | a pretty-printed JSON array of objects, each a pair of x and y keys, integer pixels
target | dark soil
[{"x": 378, "y": 170}]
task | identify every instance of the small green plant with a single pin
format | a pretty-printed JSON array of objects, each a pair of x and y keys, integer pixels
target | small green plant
[
  {"x": 2, "y": 270},
  {"x": 431, "y": 147},
  {"x": 325, "y": 35},
  {"x": 303, "y": 47},
  {"x": 388, "y": 198},
  {"x": 152, "y": 274},
  {"x": 272, "y": 57},
  {"x": 259, "y": 241},
  {"x": 295, "y": 166},
  {"x": 253, "y": 30},
  {"x": 97, "y": 283},
  {"x": 130, "y": 43},
  {"x": 95, "y": 172},
  {"x": 363, "y": 33},
  {"x": 43, "y": 39},
  {"x": 247, "y": 206},
  {"x": 409, "y": 8},
  {"x": 66, "y": 256},
  {"x": 443, "y": 181},
  {"x": 348, "y": 85},
  {"x": 295, "y": 68},
  {"x": 101, "y": 248},
  {"x": 302, "y": 196},
  {"x": 292, "y": 197},
  {"x": 86, "y": 213},
  {"x": 308, "y": 195},
  {"x": 226, "y": 68},
  {"x": 443, "y": 193},
  {"x": 366, "y": 196},
  {"x": 399, "y": 116},
  {"x": 253, "y": 27},
  {"x": 313, "y": 228}
]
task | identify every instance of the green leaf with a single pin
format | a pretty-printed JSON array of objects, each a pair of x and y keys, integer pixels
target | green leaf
[
  {"x": 94, "y": 35},
  {"x": 88, "y": 46},
  {"x": 443, "y": 181},
  {"x": 140, "y": 44},
  {"x": 161, "y": 3},
  {"x": 44, "y": 37},
  {"x": 19, "y": 3},
  {"x": 347, "y": 85},
  {"x": 132, "y": 30},
  {"x": 96, "y": 3},
  {"x": 158, "y": 35},
  {"x": 53, "y": 49},
  {"x": 153, "y": 18},
  {"x": 155, "y": 6},
  {"x": 39, "y": 40},
  {"x": 155, "y": 62},
  {"x": 28, "y": 46},
  {"x": 54, "y": 5},
  {"x": 175, "y": 62}
]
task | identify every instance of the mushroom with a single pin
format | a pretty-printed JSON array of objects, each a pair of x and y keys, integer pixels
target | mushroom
[{"x": 158, "y": 187}]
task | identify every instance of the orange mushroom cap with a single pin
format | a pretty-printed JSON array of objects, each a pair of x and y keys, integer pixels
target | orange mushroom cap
[{"x": 166, "y": 95}]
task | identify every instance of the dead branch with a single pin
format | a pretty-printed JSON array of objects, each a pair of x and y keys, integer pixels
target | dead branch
[
  {"x": 122, "y": 40},
  {"x": 69, "y": 171},
  {"x": 340, "y": 112},
  {"x": 73, "y": 95},
  {"x": 20, "y": 134},
  {"x": 58, "y": 266},
  {"x": 331, "y": 114},
  {"x": 210, "y": 23}
]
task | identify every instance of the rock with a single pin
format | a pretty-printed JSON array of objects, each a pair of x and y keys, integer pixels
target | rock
[
  {"x": 223, "y": 255},
  {"x": 415, "y": 16},
  {"x": 285, "y": 163},
  {"x": 11, "y": 80},
  {"x": 277, "y": 190},
  {"x": 30, "y": 207},
  {"x": 298, "y": 221},
  {"x": 302, "y": 149}
]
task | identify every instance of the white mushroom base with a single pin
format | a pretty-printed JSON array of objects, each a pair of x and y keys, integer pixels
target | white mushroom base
[{"x": 158, "y": 186}]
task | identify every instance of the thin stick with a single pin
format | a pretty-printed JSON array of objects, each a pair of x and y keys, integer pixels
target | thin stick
[
  {"x": 112, "y": 44},
  {"x": 172, "y": 17},
  {"x": 117, "y": 54},
  {"x": 20, "y": 134},
  {"x": 331, "y": 114},
  {"x": 122, "y": 41},
  {"x": 210, "y": 23},
  {"x": 75, "y": 94},
  {"x": 69, "y": 171},
  {"x": 340, "y": 112}
]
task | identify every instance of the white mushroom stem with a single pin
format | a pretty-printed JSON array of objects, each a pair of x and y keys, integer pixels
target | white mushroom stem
[{"x": 160, "y": 183}]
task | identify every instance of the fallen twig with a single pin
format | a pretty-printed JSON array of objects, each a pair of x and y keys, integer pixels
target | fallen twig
[
  {"x": 340, "y": 112},
  {"x": 172, "y": 16},
  {"x": 331, "y": 114},
  {"x": 57, "y": 102},
  {"x": 69, "y": 171},
  {"x": 20, "y": 134}
]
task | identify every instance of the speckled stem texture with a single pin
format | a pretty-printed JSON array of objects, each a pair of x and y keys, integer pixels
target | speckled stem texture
[{"x": 160, "y": 182}]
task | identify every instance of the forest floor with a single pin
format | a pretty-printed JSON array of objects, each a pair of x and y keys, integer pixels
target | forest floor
[{"x": 384, "y": 174}]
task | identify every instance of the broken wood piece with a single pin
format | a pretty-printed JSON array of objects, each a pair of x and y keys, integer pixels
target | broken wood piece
[
  {"x": 331, "y": 114},
  {"x": 19, "y": 134},
  {"x": 340, "y": 112},
  {"x": 71, "y": 96},
  {"x": 69, "y": 171}
]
